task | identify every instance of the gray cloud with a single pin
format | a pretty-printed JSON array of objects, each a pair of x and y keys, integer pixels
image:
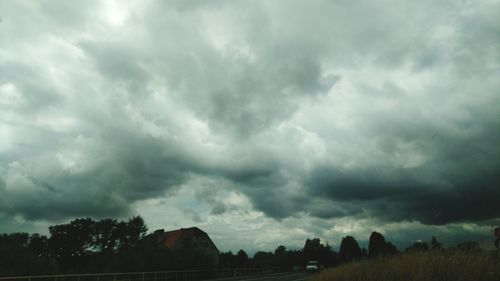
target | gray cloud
[{"x": 330, "y": 110}]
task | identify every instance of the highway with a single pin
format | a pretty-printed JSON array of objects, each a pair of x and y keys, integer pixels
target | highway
[{"x": 295, "y": 276}]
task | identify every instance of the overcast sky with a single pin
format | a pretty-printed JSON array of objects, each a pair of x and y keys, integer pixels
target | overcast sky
[{"x": 261, "y": 122}]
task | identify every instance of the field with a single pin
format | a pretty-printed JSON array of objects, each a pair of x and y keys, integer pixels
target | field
[{"x": 421, "y": 266}]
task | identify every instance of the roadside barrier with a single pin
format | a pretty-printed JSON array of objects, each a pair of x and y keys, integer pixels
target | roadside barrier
[{"x": 179, "y": 275}]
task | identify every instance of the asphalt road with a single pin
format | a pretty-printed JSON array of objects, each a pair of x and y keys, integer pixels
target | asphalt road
[{"x": 296, "y": 276}]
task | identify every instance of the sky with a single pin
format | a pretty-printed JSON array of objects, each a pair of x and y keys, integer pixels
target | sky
[{"x": 264, "y": 123}]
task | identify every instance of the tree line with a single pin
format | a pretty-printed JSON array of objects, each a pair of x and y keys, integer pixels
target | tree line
[{"x": 88, "y": 246}]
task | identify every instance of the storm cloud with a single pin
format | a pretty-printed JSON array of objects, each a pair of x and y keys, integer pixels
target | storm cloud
[{"x": 288, "y": 111}]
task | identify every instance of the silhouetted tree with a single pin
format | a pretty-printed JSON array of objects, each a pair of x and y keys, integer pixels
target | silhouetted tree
[
  {"x": 315, "y": 250},
  {"x": 263, "y": 259},
  {"x": 349, "y": 249},
  {"x": 390, "y": 249},
  {"x": 418, "y": 246},
  {"x": 226, "y": 259},
  {"x": 22, "y": 254},
  {"x": 131, "y": 232},
  {"x": 378, "y": 246},
  {"x": 468, "y": 246},
  {"x": 241, "y": 258},
  {"x": 280, "y": 250},
  {"x": 435, "y": 245},
  {"x": 107, "y": 236},
  {"x": 39, "y": 245}
]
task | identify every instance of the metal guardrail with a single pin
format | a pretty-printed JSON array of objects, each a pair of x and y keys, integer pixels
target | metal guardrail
[{"x": 180, "y": 275}]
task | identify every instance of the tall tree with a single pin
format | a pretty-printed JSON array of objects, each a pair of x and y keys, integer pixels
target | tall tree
[
  {"x": 349, "y": 249},
  {"x": 376, "y": 245}
]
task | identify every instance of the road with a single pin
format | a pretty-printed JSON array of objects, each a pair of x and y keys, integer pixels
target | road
[{"x": 296, "y": 276}]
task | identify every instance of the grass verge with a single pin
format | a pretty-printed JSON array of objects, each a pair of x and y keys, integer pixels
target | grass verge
[{"x": 421, "y": 266}]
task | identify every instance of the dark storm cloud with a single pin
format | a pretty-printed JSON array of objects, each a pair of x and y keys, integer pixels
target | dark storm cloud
[
  {"x": 323, "y": 109},
  {"x": 403, "y": 196}
]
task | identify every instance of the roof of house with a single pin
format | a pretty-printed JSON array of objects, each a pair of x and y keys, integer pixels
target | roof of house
[{"x": 170, "y": 238}]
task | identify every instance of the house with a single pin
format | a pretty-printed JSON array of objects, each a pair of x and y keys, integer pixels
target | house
[{"x": 191, "y": 246}]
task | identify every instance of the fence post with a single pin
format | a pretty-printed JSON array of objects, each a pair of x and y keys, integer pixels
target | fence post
[{"x": 143, "y": 276}]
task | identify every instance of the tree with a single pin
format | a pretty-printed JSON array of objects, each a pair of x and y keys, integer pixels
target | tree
[
  {"x": 377, "y": 244},
  {"x": 263, "y": 259},
  {"x": 349, "y": 249},
  {"x": 280, "y": 250},
  {"x": 241, "y": 258},
  {"x": 107, "y": 236},
  {"x": 131, "y": 232},
  {"x": 390, "y": 249},
  {"x": 418, "y": 246},
  {"x": 315, "y": 250},
  {"x": 435, "y": 245},
  {"x": 22, "y": 254},
  {"x": 469, "y": 246},
  {"x": 38, "y": 245},
  {"x": 226, "y": 259}
]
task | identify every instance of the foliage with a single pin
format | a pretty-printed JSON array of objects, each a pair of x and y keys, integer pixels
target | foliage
[
  {"x": 379, "y": 247},
  {"x": 21, "y": 253},
  {"x": 418, "y": 246},
  {"x": 350, "y": 250},
  {"x": 87, "y": 246},
  {"x": 315, "y": 250}
]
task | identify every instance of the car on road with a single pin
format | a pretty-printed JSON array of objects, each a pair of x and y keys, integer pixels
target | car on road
[{"x": 312, "y": 266}]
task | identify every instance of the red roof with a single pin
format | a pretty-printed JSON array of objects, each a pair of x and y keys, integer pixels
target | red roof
[{"x": 170, "y": 238}]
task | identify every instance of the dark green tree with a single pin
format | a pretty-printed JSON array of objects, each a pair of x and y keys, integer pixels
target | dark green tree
[
  {"x": 280, "y": 250},
  {"x": 376, "y": 245},
  {"x": 107, "y": 236},
  {"x": 418, "y": 246},
  {"x": 38, "y": 245},
  {"x": 435, "y": 245},
  {"x": 349, "y": 249},
  {"x": 263, "y": 259},
  {"x": 241, "y": 258},
  {"x": 226, "y": 259}
]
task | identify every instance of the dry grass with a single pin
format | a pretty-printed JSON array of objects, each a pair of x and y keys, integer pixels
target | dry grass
[{"x": 426, "y": 266}]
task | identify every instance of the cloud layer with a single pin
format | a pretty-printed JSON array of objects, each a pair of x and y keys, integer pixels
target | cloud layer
[{"x": 325, "y": 111}]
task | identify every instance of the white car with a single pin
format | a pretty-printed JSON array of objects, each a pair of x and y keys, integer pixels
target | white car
[{"x": 312, "y": 266}]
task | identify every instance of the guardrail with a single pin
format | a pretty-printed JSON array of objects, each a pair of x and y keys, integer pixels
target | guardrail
[{"x": 180, "y": 275}]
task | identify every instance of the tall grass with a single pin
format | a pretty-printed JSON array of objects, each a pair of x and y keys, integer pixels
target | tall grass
[{"x": 421, "y": 266}]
